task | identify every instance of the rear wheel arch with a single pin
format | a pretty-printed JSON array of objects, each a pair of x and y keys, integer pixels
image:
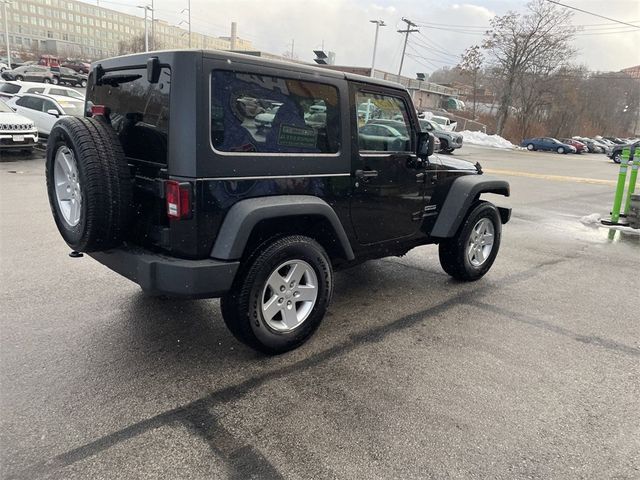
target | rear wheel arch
[{"x": 250, "y": 222}]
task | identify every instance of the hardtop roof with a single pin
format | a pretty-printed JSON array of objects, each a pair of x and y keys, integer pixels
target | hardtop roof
[{"x": 141, "y": 58}]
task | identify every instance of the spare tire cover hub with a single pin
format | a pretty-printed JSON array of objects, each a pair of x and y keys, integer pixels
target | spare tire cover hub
[{"x": 67, "y": 185}]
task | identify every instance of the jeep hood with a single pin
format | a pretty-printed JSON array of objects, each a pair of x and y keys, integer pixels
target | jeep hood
[{"x": 452, "y": 163}]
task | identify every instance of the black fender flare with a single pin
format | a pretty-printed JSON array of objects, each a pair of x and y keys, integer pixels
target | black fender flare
[
  {"x": 246, "y": 214},
  {"x": 462, "y": 193}
]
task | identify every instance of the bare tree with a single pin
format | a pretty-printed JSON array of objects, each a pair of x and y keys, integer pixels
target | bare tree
[
  {"x": 518, "y": 43},
  {"x": 136, "y": 45},
  {"x": 470, "y": 64}
]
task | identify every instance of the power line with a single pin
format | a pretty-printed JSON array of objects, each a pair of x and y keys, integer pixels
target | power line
[
  {"x": 431, "y": 52},
  {"x": 594, "y": 14}
]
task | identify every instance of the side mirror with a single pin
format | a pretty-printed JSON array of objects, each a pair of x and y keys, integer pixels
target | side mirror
[
  {"x": 53, "y": 112},
  {"x": 426, "y": 142}
]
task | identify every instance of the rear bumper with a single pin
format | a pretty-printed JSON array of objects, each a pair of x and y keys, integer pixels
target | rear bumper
[{"x": 159, "y": 274}]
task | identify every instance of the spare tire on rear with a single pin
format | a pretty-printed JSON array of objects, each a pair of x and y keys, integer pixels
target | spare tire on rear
[{"x": 89, "y": 184}]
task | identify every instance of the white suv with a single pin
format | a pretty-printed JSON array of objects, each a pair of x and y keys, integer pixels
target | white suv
[
  {"x": 9, "y": 89},
  {"x": 45, "y": 110},
  {"x": 16, "y": 131}
]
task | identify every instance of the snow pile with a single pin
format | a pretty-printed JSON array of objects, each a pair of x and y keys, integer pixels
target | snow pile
[
  {"x": 593, "y": 219},
  {"x": 481, "y": 138}
]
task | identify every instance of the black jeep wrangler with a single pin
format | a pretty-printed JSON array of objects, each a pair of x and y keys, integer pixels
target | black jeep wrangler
[{"x": 173, "y": 182}]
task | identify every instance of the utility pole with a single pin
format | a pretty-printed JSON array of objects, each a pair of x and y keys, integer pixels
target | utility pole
[
  {"x": 188, "y": 22},
  {"x": 293, "y": 42},
  {"x": 379, "y": 23},
  {"x": 153, "y": 27},
  {"x": 6, "y": 31},
  {"x": 406, "y": 39}
]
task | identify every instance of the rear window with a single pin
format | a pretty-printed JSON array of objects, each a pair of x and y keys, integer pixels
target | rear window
[
  {"x": 9, "y": 88},
  {"x": 260, "y": 113},
  {"x": 139, "y": 112},
  {"x": 61, "y": 92}
]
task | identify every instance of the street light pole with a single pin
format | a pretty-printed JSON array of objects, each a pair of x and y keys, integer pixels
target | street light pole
[
  {"x": 6, "y": 31},
  {"x": 146, "y": 29},
  {"x": 406, "y": 39},
  {"x": 379, "y": 23}
]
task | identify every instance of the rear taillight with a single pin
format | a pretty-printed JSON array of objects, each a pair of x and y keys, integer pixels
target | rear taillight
[
  {"x": 99, "y": 110},
  {"x": 178, "y": 196}
]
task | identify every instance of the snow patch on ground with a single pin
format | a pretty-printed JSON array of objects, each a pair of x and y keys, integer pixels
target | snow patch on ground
[
  {"x": 593, "y": 219},
  {"x": 482, "y": 139}
]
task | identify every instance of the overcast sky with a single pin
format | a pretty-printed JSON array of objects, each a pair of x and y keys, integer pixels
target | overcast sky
[{"x": 343, "y": 26}]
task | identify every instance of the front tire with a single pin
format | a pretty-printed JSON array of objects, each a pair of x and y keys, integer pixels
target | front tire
[
  {"x": 83, "y": 84},
  {"x": 560, "y": 150},
  {"x": 280, "y": 295},
  {"x": 531, "y": 147},
  {"x": 19, "y": 78},
  {"x": 470, "y": 254},
  {"x": 617, "y": 157}
]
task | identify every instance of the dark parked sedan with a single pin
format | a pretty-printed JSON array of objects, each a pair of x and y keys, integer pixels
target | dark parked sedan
[
  {"x": 30, "y": 73},
  {"x": 66, "y": 75},
  {"x": 547, "y": 143},
  {"x": 80, "y": 67}
]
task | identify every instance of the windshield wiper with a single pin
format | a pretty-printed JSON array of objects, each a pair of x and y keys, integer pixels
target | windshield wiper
[{"x": 115, "y": 79}]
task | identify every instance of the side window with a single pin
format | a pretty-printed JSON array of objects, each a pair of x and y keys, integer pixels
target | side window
[
  {"x": 259, "y": 113},
  {"x": 390, "y": 116},
  {"x": 49, "y": 105},
  {"x": 58, "y": 91},
  {"x": 36, "y": 90}
]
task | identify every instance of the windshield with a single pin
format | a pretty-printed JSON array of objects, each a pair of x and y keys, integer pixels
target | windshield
[
  {"x": 64, "y": 92},
  {"x": 75, "y": 109},
  {"x": 9, "y": 88},
  {"x": 4, "y": 108},
  {"x": 426, "y": 125}
]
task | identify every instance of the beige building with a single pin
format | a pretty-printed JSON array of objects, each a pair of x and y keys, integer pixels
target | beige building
[{"x": 70, "y": 28}]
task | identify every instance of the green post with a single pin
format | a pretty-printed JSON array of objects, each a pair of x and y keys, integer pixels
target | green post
[
  {"x": 632, "y": 181},
  {"x": 622, "y": 177}
]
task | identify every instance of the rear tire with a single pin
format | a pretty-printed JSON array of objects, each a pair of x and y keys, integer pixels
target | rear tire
[
  {"x": 617, "y": 157},
  {"x": 466, "y": 256},
  {"x": 19, "y": 78},
  {"x": 248, "y": 309},
  {"x": 99, "y": 177},
  {"x": 83, "y": 84},
  {"x": 46, "y": 80}
]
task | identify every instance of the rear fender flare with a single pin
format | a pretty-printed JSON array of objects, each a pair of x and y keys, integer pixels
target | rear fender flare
[{"x": 242, "y": 217}]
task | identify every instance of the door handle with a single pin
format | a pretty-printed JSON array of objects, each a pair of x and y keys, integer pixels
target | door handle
[{"x": 366, "y": 173}]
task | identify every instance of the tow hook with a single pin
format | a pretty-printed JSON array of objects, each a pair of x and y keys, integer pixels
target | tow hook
[{"x": 75, "y": 254}]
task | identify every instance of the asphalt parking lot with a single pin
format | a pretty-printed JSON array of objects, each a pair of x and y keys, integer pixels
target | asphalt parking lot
[{"x": 531, "y": 372}]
